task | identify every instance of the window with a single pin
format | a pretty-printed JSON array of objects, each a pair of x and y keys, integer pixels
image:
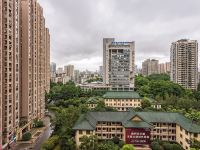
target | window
[
  {"x": 195, "y": 135},
  {"x": 80, "y": 132},
  {"x": 181, "y": 135},
  {"x": 187, "y": 140},
  {"x": 87, "y": 132}
]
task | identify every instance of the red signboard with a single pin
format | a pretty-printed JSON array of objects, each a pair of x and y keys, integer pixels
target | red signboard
[{"x": 138, "y": 136}]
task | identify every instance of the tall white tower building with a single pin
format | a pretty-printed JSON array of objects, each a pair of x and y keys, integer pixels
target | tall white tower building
[{"x": 118, "y": 64}]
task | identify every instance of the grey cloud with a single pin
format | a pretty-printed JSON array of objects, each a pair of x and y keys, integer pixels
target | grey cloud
[{"x": 78, "y": 26}]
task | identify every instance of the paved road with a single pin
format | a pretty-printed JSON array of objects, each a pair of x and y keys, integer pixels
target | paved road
[
  {"x": 45, "y": 135},
  {"x": 40, "y": 140}
]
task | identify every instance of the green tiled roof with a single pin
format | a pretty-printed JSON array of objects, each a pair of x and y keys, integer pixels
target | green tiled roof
[
  {"x": 88, "y": 121},
  {"x": 137, "y": 124},
  {"x": 122, "y": 95},
  {"x": 94, "y": 100},
  {"x": 83, "y": 123}
]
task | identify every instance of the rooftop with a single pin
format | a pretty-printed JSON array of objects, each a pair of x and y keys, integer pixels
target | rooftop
[
  {"x": 94, "y": 100},
  {"x": 122, "y": 95},
  {"x": 89, "y": 120}
]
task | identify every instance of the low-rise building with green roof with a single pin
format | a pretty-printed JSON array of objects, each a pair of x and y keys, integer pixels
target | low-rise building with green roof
[
  {"x": 138, "y": 128},
  {"x": 122, "y": 100},
  {"x": 93, "y": 101}
]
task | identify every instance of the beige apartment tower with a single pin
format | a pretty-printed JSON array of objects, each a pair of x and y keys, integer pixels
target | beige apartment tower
[
  {"x": 10, "y": 69},
  {"x": 118, "y": 64},
  {"x": 69, "y": 71},
  {"x": 24, "y": 67},
  {"x": 1, "y": 47},
  {"x": 35, "y": 61},
  {"x": 184, "y": 63},
  {"x": 164, "y": 68},
  {"x": 150, "y": 66}
]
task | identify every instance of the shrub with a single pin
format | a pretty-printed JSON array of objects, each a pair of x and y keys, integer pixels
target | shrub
[
  {"x": 26, "y": 136},
  {"x": 40, "y": 124},
  {"x": 176, "y": 147},
  {"x": 156, "y": 146},
  {"x": 50, "y": 143},
  {"x": 128, "y": 147},
  {"x": 115, "y": 140}
]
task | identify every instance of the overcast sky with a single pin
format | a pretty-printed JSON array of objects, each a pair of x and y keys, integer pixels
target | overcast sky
[{"x": 77, "y": 27}]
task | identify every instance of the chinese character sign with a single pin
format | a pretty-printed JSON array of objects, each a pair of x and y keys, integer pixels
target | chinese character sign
[{"x": 138, "y": 136}]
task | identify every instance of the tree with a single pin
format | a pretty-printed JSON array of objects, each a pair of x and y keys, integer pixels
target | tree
[
  {"x": 101, "y": 107},
  {"x": 64, "y": 120},
  {"x": 145, "y": 103},
  {"x": 195, "y": 144},
  {"x": 140, "y": 81},
  {"x": 128, "y": 147},
  {"x": 157, "y": 77},
  {"x": 156, "y": 146},
  {"x": 185, "y": 103},
  {"x": 167, "y": 146},
  {"x": 116, "y": 140},
  {"x": 50, "y": 143},
  {"x": 88, "y": 143}
]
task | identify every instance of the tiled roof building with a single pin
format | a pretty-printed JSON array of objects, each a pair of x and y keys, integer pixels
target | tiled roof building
[{"x": 138, "y": 128}]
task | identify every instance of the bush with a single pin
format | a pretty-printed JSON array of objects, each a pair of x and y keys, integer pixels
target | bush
[
  {"x": 26, "y": 136},
  {"x": 50, "y": 143},
  {"x": 38, "y": 123},
  {"x": 115, "y": 140},
  {"x": 156, "y": 146},
  {"x": 167, "y": 146},
  {"x": 176, "y": 147},
  {"x": 128, "y": 147}
]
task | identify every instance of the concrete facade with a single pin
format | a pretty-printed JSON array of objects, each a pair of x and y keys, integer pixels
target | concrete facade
[
  {"x": 164, "y": 68},
  {"x": 24, "y": 67},
  {"x": 10, "y": 68},
  {"x": 184, "y": 63},
  {"x": 118, "y": 63},
  {"x": 69, "y": 71},
  {"x": 150, "y": 66}
]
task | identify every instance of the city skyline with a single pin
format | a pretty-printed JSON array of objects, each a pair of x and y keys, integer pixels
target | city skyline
[{"x": 145, "y": 22}]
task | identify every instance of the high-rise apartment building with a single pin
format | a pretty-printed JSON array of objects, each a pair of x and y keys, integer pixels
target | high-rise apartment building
[
  {"x": 1, "y": 47},
  {"x": 150, "y": 66},
  {"x": 77, "y": 76},
  {"x": 118, "y": 63},
  {"x": 164, "y": 68},
  {"x": 59, "y": 70},
  {"x": 53, "y": 67},
  {"x": 35, "y": 60},
  {"x": 101, "y": 71},
  {"x": 184, "y": 63},
  {"x": 69, "y": 71},
  {"x": 47, "y": 60},
  {"x": 10, "y": 68},
  {"x": 24, "y": 67}
]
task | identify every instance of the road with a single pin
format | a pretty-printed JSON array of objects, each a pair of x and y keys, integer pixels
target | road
[{"x": 45, "y": 135}]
